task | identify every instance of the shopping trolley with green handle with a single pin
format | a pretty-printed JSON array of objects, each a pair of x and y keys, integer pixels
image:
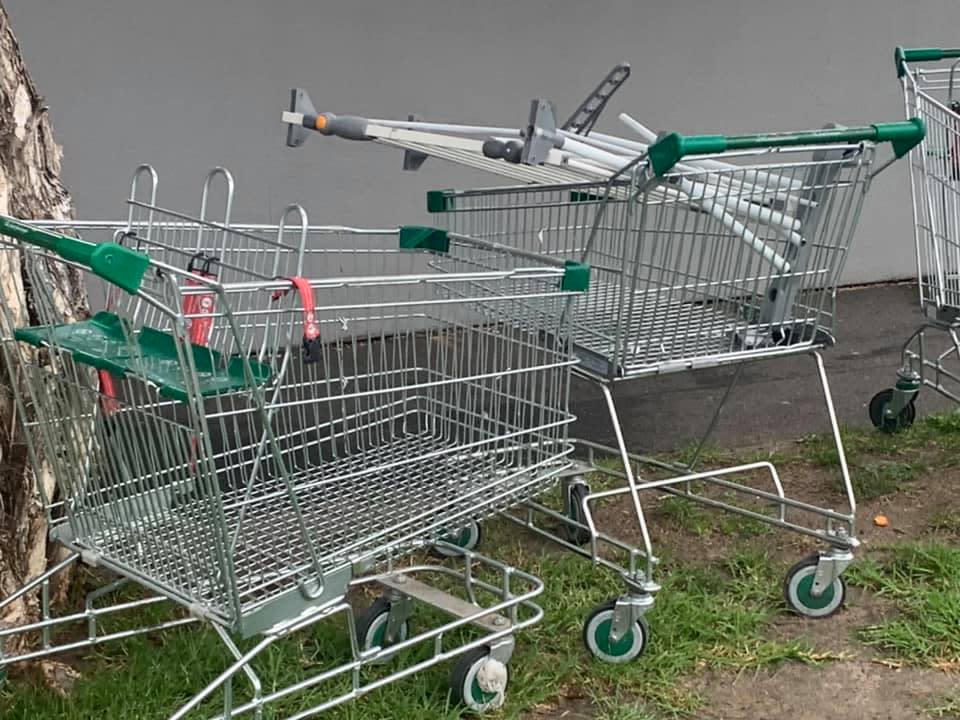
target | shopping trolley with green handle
[
  {"x": 706, "y": 251},
  {"x": 251, "y": 440},
  {"x": 930, "y": 357}
]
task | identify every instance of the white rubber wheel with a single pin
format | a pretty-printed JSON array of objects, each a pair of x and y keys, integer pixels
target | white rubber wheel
[
  {"x": 596, "y": 636},
  {"x": 797, "y": 591},
  {"x": 479, "y": 682},
  {"x": 372, "y": 628}
]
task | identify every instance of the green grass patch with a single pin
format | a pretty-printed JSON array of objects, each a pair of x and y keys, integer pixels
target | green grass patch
[
  {"x": 948, "y": 708},
  {"x": 945, "y": 521},
  {"x": 715, "y": 456},
  {"x": 923, "y": 582},
  {"x": 935, "y": 439},
  {"x": 879, "y": 464},
  {"x": 605, "y": 708},
  {"x": 872, "y": 480},
  {"x": 687, "y": 515}
]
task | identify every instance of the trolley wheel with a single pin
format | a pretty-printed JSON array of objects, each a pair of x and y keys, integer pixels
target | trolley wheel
[
  {"x": 886, "y": 424},
  {"x": 467, "y": 538},
  {"x": 575, "y": 495},
  {"x": 479, "y": 681},
  {"x": 372, "y": 627},
  {"x": 596, "y": 636},
  {"x": 797, "y": 591}
]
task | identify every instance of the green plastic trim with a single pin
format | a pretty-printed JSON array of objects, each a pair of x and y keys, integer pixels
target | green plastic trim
[
  {"x": 119, "y": 265},
  {"x": 416, "y": 237},
  {"x": 576, "y": 276},
  {"x": 669, "y": 150},
  {"x": 116, "y": 264},
  {"x": 902, "y": 56},
  {"x": 908, "y": 385},
  {"x": 106, "y": 342},
  {"x": 439, "y": 201}
]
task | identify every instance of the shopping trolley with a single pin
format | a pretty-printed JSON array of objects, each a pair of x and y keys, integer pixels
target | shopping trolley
[
  {"x": 706, "y": 251},
  {"x": 931, "y": 355},
  {"x": 259, "y": 422}
]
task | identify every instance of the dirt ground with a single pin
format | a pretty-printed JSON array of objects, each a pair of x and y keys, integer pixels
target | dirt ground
[{"x": 856, "y": 683}]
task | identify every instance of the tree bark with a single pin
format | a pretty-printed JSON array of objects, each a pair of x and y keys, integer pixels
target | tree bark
[{"x": 30, "y": 187}]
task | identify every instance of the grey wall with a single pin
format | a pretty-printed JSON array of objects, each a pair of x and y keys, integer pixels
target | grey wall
[{"x": 188, "y": 84}]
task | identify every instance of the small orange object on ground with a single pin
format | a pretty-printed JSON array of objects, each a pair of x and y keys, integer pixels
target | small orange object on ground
[{"x": 881, "y": 520}]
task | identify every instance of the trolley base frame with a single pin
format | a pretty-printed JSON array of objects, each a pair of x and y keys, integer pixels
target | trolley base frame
[
  {"x": 836, "y": 530},
  {"x": 496, "y": 624},
  {"x": 921, "y": 365}
]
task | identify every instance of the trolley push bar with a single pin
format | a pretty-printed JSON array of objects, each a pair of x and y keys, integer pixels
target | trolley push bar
[
  {"x": 668, "y": 151},
  {"x": 732, "y": 211},
  {"x": 903, "y": 56}
]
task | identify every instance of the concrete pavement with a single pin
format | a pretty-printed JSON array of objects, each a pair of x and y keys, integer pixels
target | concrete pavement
[{"x": 776, "y": 399}]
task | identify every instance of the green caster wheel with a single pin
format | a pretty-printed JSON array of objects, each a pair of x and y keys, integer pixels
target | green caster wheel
[
  {"x": 882, "y": 422},
  {"x": 596, "y": 636},
  {"x": 798, "y": 586},
  {"x": 468, "y": 538},
  {"x": 478, "y": 682}
]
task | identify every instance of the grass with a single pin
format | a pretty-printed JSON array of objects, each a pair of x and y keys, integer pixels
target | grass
[
  {"x": 922, "y": 580},
  {"x": 935, "y": 439},
  {"x": 690, "y": 517},
  {"x": 948, "y": 708},
  {"x": 881, "y": 464},
  {"x": 946, "y": 521}
]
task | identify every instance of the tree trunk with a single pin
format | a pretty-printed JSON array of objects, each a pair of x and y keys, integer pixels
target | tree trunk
[{"x": 30, "y": 187}]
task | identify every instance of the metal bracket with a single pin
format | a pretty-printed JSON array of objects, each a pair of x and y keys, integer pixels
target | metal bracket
[
  {"x": 502, "y": 649},
  {"x": 541, "y": 133},
  {"x": 299, "y": 103},
  {"x": 413, "y": 160},
  {"x": 909, "y": 382},
  {"x": 629, "y": 609},
  {"x": 450, "y": 604},
  {"x": 830, "y": 566},
  {"x": 401, "y": 608}
]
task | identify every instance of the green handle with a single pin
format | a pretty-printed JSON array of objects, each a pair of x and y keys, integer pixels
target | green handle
[
  {"x": 902, "y": 56},
  {"x": 669, "y": 150},
  {"x": 113, "y": 262}
]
